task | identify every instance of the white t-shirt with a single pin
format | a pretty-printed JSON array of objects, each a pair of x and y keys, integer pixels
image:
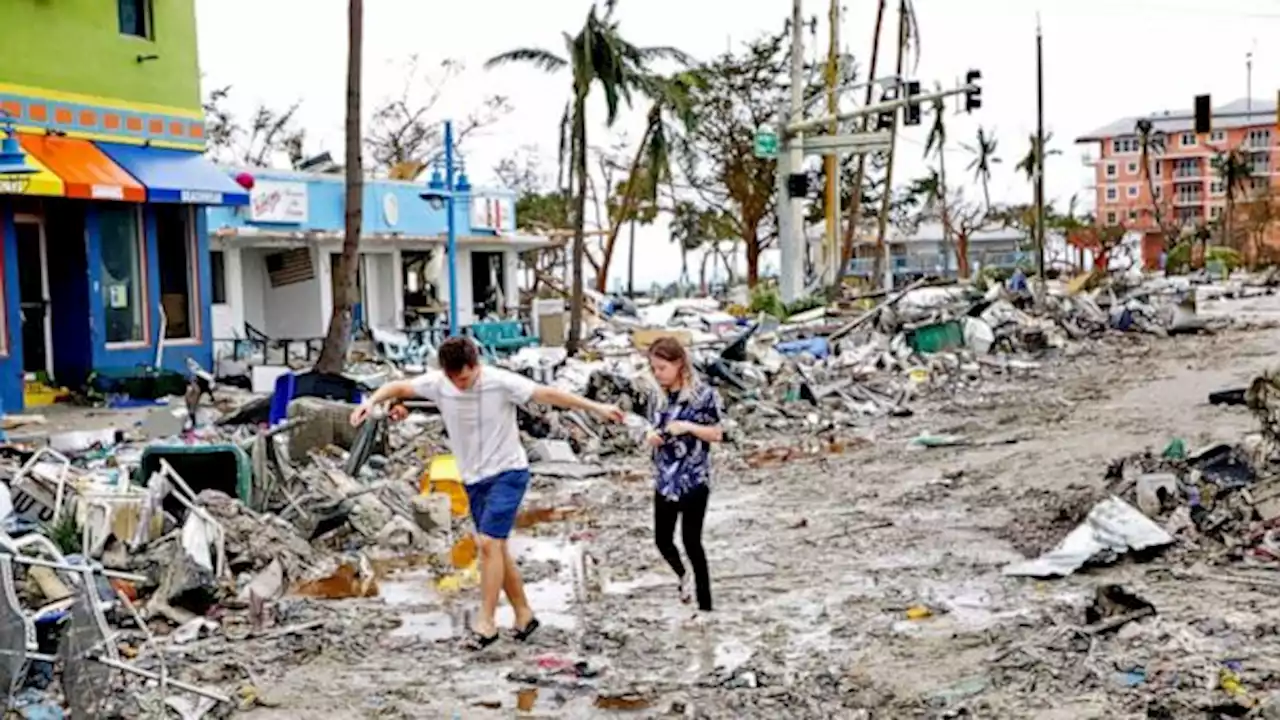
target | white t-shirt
[{"x": 481, "y": 420}]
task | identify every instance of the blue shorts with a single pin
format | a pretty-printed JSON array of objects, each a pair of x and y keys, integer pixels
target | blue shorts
[{"x": 496, "y": 500}]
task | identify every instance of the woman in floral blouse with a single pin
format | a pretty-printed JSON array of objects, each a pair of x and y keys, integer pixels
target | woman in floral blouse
[{"x": 686, "y": 420}]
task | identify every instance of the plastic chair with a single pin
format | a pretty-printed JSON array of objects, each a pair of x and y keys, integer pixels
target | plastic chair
[{"x": 286, "y": 384}]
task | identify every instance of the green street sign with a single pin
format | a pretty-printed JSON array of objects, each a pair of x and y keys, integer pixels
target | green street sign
[{"x": 766, "y": 145}]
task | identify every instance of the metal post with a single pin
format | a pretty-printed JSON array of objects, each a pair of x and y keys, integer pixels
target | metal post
[
  {"x": 1040, "y": 155},
  {"x": 792, "y": 281},
  {"x": 452, "y": 247}
]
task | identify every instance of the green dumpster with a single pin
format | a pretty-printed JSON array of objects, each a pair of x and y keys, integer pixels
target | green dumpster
[{"x": 936, "y": 337}]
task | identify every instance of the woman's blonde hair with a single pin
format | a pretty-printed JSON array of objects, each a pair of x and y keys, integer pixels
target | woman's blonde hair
[{"x": 669, "y": 349}]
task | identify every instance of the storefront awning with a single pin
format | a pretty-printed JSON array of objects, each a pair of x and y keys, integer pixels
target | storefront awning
[
  {"x": 43, "y": 182},
  {"x": 87, "y": 173},
  {"x": 176, "y": 176}
]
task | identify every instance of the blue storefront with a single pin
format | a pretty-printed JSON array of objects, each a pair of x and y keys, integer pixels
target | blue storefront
[{"x": 104, "y": 251}]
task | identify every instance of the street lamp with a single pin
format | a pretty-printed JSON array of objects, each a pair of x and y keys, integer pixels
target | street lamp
[
  {"x": 442, "y": 192},
  {"x": 15, "y": 173}
]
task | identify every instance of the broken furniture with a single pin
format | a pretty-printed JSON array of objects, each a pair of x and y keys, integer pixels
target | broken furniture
[{"x": 501, "y": 338}]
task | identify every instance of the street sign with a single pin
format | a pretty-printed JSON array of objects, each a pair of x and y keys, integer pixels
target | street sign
[
  {"x": 836, "y": 144},
  {"x": 766, "y": 143}
]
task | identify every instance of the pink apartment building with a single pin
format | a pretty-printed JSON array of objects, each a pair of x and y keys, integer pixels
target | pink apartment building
[{"x": 1186, "y": 186}]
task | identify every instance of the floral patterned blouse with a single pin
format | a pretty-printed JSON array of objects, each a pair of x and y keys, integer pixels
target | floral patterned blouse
[{"x": 683, "y": 462}]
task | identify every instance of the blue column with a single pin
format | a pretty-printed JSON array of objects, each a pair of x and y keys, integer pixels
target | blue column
[{"x": 452, "y": 246}]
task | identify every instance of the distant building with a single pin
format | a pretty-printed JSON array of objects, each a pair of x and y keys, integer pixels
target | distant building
[{"x": 1186, "y": 187}]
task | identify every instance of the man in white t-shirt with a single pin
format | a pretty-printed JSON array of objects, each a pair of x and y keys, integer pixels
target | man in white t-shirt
[{"x": 478, "y": 405}]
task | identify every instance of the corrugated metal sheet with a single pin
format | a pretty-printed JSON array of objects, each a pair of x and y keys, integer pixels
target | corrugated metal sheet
[{"x": 289, "y": 267}]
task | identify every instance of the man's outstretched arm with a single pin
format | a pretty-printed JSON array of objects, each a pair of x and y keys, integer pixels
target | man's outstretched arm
[{"x": 556, "y": 397}]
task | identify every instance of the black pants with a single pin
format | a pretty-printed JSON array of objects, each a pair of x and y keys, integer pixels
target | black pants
[{"x": 693, "y": 506}]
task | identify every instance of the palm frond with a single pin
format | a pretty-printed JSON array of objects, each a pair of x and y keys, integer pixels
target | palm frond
[{"x": 544, "y": 60}]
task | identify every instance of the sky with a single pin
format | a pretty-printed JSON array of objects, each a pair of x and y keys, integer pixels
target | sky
[{"x": 1104, "y": 59}]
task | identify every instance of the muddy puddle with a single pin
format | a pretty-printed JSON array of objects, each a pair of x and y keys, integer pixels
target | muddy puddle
[{"x": 438, "y": 608}]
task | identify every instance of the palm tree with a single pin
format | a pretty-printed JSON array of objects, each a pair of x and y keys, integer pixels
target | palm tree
[
  {"x": 1234, "y": 169},
  {"x": 984, "y": 156},
  {"x": 672, "y": 96},
  {"x": 936, "y": 146},
  {"x": 1151, "y": 143},
  {"x": 333, "y": 356},
  {"x": 1027, "y": 165},
  {"x": 597, "y": 54}
]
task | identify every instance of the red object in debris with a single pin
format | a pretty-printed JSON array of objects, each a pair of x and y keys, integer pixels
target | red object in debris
[{"x": 245, "y": 180}]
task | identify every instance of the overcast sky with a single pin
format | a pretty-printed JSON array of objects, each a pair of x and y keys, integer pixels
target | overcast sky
[{"x": 1104, "y": 59}]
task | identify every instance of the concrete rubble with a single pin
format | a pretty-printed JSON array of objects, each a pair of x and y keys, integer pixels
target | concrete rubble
[{"x": 231, "y": 546}]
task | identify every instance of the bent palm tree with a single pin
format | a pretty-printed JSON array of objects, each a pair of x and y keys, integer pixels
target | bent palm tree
[
  {"x": 1151, "y": 144},
  {"x": 984, "y": 156},
  {"x": 597, "y": 54},
  {"x": 936, "y": 146},
  {"x": 1234, "y": 169},
  {"x": 672, "y": 96}
]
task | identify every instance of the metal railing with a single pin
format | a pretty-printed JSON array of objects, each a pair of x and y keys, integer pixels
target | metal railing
[{"x": 942, "y": 265}]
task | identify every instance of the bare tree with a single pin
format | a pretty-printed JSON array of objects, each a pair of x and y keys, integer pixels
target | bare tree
[
  {"x": 406, "y": 133},
  {"x": 269, "y": 136}
]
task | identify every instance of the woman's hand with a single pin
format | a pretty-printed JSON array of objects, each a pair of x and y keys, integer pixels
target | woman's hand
[
  {"x": 610, "y": 413},
  {"x": 653, "y": 439},
  {"x": 680, "y": 427}
]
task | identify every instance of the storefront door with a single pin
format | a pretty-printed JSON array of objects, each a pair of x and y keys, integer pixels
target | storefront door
[{"x": 33, "y": 287}]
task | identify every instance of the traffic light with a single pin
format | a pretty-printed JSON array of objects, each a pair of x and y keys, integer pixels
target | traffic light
[
  {"x": 911, "y": 115},
  {"x": 1204, "y": 114},
  {"x": 798, "y": 185},
  {"x": 972, "y": 97}
]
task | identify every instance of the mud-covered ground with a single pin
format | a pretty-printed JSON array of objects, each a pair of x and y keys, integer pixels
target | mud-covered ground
[{"x": 818, "y": 559}]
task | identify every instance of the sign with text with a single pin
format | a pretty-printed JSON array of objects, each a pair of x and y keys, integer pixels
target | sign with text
[
  {"x": 492, "y": 213},
  {"x": 278, "y": 202}
]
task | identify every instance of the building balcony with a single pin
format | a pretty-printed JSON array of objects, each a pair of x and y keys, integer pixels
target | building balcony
[{"x": 1186, "y": 200}]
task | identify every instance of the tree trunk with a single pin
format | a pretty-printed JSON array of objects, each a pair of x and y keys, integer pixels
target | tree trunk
[
  {"x": 752, "y": 239},
  {"x": 887, "y": 199},
  {"x": 333, "y": 356},
  {"x": 625, "y": 209},
  {"x": 631, "y": 262},
  {"x": 579, "y": 221},
  {"x": 702, "y": 273},
  {"x": 854, "y": 212},
  {"x": 962, "y": 254}
]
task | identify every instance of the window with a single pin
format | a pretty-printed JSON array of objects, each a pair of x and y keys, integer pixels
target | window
[
  {"x": 1215, "y": 212},
  {"x": 1218, "y": 136},
  {"x": 1157, "y": 168},
  {"x": 1186, "y": 168},
  {"x": 1132, "y": 168},
  {"x": 1259, "y": 139},
  {"x": 135, "y": 18},
  {"x": 1111, "y": 194},
  {"x": 1124, "y": 146},
  {"x": 1111, "y": 218},
  {"x": 1132, "y": 191},
  {"x": 218, "y": 277},
  {"x": 1133, "y": 215},
  {"x": 176, "y": 259},
  {"x": 122, "y": 278},
  {"x": 1111, "y": 170},
  {"x": 1188, "y": 139},
  {"x": 1158, "y": 193},
  {"x": 1217, "y": 187}
]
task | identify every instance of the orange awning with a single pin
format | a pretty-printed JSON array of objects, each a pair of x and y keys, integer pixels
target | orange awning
[{"x": 87, "y": 171}]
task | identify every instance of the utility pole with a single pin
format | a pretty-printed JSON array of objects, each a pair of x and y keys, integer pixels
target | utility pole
[
  {"x": 1248, "y": 82},
  {"x": 791, "y": 209},
  {"x": 886, "y": 200},
  {"x": 833, "y": 250},
  {"x": 1040, "y": 154}
]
